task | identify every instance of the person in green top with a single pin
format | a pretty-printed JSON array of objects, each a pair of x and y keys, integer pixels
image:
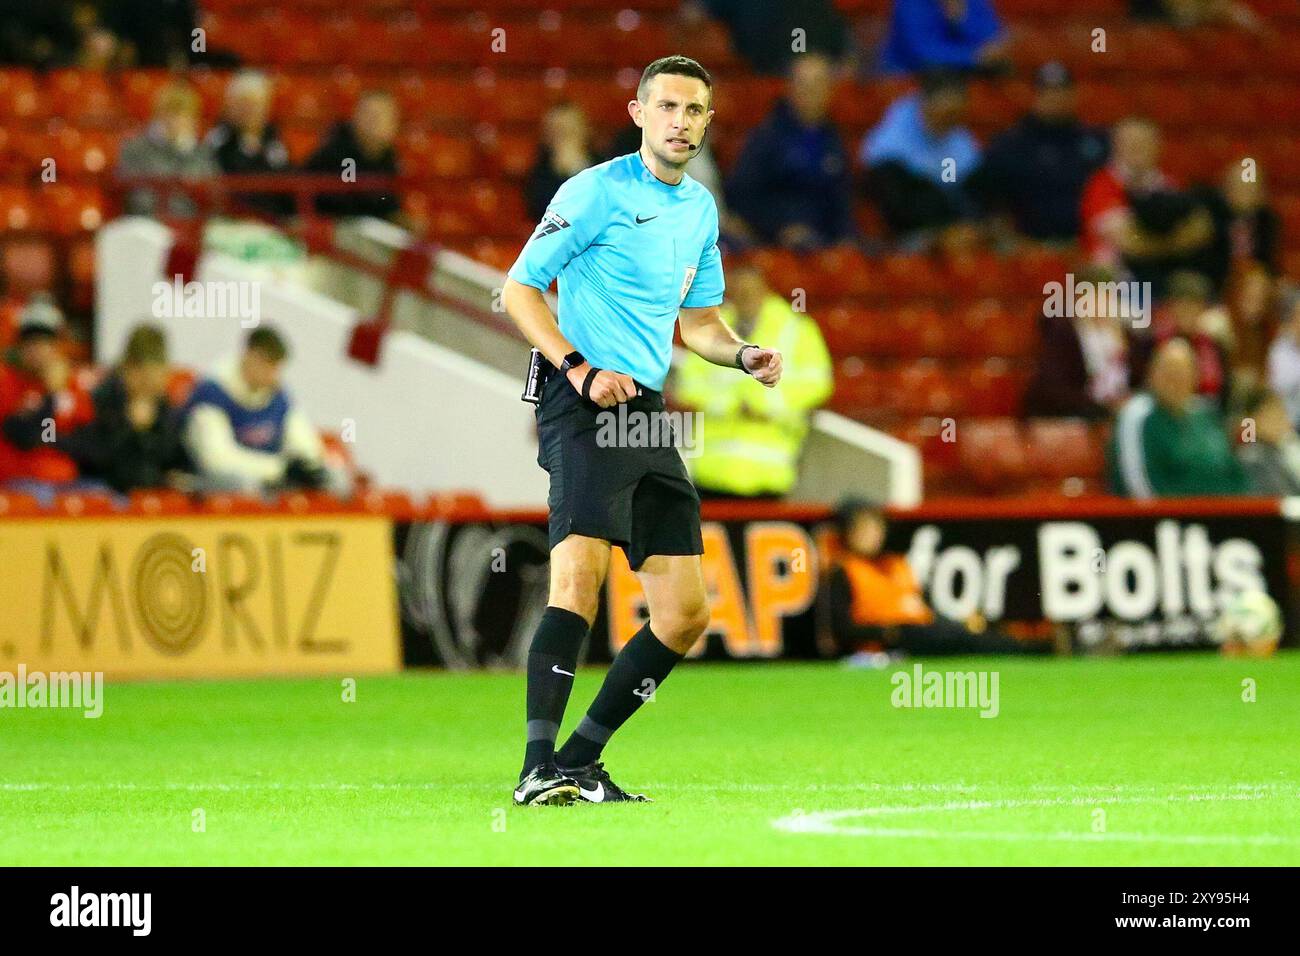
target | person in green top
[
  {"x": 751, "y": 435},
  {"x": 1168, "y": 441}
]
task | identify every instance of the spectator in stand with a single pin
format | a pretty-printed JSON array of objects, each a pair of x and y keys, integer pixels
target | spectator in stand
[
  {"x": 1271, "y": 457},
  {"x": 1249, "y": 314},
  {"x": 244, "y": 433},
  {"x": 944, "y": 34},
  {"x": 1247, "y": 230},
  {"x": 565, "y": 149},
  {"x": 1170, "y": 442},
  {"x": 762, "y": 31},
  {"x": 753, "y": 436},
  {"x": 1284, "y": 356},
  {"x": 101, "y": 51},
  {"x": 245, "y": 141},
  {"x": 919, "y": 162},
  {"x": 791, "y": 182},
  {"x": 169, "y": 147},
  {"x": 877, "y": 605},
  {"x": 134, "y": 439},
  {"x": 1133, "y": 215},
  {"x": 40, "y": 35},
  {"x": 41, "y": 402},
  {"x": 367, "y": 147},
  {"x": 157, "y": 33},
  {"x": 1036, "y": 170},
  {"x": 1187, "y": 315},
  {"x": 1083, "y": 362}
]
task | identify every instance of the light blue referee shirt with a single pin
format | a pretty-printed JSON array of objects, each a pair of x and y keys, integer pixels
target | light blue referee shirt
[{"x": 630, "y": 251}]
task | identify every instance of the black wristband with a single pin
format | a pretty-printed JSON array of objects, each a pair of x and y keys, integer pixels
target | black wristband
[
  {"x": 740, "y": 357},
  {"x": 586, "y": 382}
]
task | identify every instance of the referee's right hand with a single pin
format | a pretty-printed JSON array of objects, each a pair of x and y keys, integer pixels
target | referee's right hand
[{"x": 607, "y": 388}]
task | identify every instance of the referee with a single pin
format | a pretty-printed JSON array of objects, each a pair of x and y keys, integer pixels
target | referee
[{"x": 634, "y": 242}]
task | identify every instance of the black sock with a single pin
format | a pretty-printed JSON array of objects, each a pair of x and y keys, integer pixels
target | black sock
[
  {"x": 635, "y": 675},
  {"x": 552, "y": 660}
]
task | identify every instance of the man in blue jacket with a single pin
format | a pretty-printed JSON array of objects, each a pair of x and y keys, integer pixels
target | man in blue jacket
[{"x": 791, "y": 183}]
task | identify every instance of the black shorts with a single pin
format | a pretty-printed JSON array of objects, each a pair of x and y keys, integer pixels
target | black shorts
[{"x": 638, "y": 497}]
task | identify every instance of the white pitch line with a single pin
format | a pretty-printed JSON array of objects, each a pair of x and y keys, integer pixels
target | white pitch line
[
  {"x": 826, "y": 822},
  {"x": 1095, "y": 792},
  {"x": 1003, "y": 836}
]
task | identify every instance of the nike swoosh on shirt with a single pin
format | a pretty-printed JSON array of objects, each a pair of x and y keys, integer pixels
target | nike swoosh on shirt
[
  {"x": 640, "y": 221},
  {"x": 556, "y": 669}
]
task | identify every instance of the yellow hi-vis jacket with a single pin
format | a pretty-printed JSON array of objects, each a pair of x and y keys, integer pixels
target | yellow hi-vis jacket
[{"x": 752, "y": 435}]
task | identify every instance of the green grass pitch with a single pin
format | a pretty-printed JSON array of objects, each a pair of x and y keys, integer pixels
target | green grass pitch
[{"x": 1154, "y": 760}]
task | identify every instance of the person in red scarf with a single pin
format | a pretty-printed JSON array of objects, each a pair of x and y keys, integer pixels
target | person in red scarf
[{"x": 1187, "y": 315}]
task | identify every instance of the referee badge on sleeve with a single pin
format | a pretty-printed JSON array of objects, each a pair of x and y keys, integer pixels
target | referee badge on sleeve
[
  {"x": 686, "y": 284},
  {"x": 551, "y": 222}
]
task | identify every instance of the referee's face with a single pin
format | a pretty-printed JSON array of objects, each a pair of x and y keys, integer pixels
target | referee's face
[{"x": 674, "y": 116}]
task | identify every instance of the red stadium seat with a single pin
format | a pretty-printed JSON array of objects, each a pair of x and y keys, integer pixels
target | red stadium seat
[
  {"x": 511, "y": 155},
  {"x": 994, "y": 388},
  {"x": 235, "y": 504},
  {"x": 75, "y": 209},
  {"x": 28, "y": 265},
  {"x": 84, "y": 504},
  {"x": 857, "y": 330},
  {"x": 140, "y": 90},
  {"x": 924, "y": 388},
  {"x": 925, "y": 333},
  {"x": 308, "y": 502},
  {"x": 910, "y": 276},
  {"x": 992, "y": 453},
  {"x": 936, "y": 439},
  {"x": 14, "y": 504},
  {"x": 160, "y": 502},
  {"x": 300, "y": 141},
  {"x": 784, "y": 270},
  {"x": 841, "y": 271},
  {"x": 437, "y": 100},
  {"x": 989, "y": 329},
  {"x": 1061, "y": 448},
  {"x": 305, "y": 100},
  {"x": 858, "y": 388},
  {"x": 978, "y": 275},
  {"x": 436, "y": 155},
  {"x": 21, "y": 98},
  {"x": 83, "y": 154},
  {"x": 84, "y": 98},
  {"x": 19, "y": 209}
]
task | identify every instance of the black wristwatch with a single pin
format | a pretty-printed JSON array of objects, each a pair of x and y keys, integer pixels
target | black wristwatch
[
  {"x": 572, "y": 361},
  {"x": 740, "y": 357}
]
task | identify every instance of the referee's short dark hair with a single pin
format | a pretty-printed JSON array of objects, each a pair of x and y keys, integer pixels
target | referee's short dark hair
[
  {"x": 268, "y": 342},
  {"x": 675, "y": 66}
]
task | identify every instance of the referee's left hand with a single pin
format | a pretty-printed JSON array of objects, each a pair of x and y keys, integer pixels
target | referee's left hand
[{"x": 763, "y": 364}]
